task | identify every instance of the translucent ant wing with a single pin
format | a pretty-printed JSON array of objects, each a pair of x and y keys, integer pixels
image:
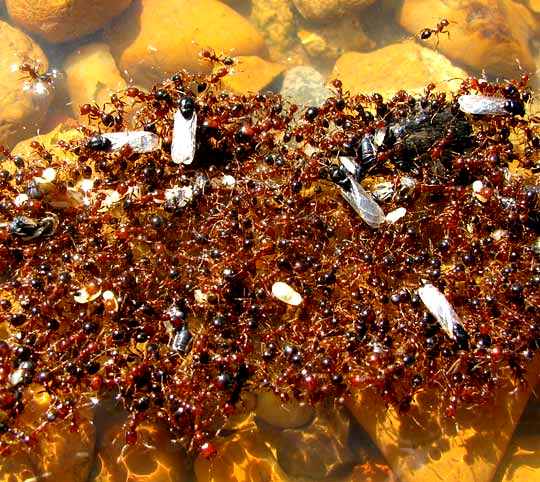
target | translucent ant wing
[
  {"x": 482, "y": 105},
  {"x": 183, "y": 141},
  {"x": 362, "y": 202},
  {"x": 139, "y": 141},
  {"x": 181, "y": 341},
  {"x": 441, "y": 309}
]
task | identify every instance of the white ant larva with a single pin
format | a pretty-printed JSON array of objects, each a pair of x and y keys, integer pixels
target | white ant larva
[
  {"x": 283, "y": 292},
  {"x": 442, "y": 310},
  {"x": 184, "y": 132}
]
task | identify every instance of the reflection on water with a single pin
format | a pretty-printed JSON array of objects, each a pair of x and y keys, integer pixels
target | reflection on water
[{"x": 66, "y": 77}]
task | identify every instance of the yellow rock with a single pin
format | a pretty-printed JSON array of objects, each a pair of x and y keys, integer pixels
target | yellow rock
[
  {"x": 242, "y": 456},
  {"x": 534, "y": 5},
  {"x": 522, "y": 460},
  {"x": 65, "y": 455},
  {"x": 317, "y": 451},
  {"x": 64, "y": 132},
  {"x": 92, "y": 76},
  {"x": 62, "y": 165},
  {"x": 275, "y": 20},
  {"x": 405, "y": 65},
  {"x": 22, "y": 107},
  {"x": 488, "y": 34},
  {"x": 16, "y": 466},
  {"x": 328, "y": 42},
  {"x": 423, "y": 445},
  {"x": 156, "y": 38},
  {"x": 329, "y": 9},
  {"x": 153, "y": 458},
  {"x": 62, "y": 20},
  {"x": 523, "y": 465},
  {"x": 251, "y": 74},
  {"x": 273, "y": 411}
]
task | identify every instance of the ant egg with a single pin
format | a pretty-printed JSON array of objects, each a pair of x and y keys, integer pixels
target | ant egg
[
  {"x": 200, "y": 296},
  {"x": 228, "y": 181},
  {"x": 87, "y": 293},
  {"x": 20, "y": 199},
  {"x": 47, "y": 176},
  {"x": 17, "y": 377},
  {"x": 395, "y": 215},
  {"x": 283, "y": 292},
  {"x": 109, "y": 301}
]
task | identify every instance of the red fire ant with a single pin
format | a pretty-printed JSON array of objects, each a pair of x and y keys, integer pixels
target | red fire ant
[
  {"x": 441, "y": 26},
  {"x": 40, "y": 83},
  {"x": 214, "y": 58}
]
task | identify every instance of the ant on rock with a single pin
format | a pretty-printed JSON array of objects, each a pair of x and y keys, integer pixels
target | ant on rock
[{"x": 440, "y": 28}]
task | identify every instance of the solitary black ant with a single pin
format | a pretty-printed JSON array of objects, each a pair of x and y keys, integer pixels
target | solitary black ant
[{"x": 441, "y": 26}]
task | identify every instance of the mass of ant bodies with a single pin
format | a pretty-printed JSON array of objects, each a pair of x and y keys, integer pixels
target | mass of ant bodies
[{"x": 177, "y": 287}]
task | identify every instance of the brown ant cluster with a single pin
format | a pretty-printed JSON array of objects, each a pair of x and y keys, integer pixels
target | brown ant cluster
[{"x": 125, "y": 274}]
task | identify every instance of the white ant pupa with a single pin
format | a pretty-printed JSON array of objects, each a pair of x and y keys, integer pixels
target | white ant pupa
[{"x": 286, "y": 293}]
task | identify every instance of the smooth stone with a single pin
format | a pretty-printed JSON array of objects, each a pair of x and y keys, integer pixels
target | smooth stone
[
  {"x": 522, "y": 460},
  {"x": 92, "y": 76},
  {"x": 319, "y": 450},
  {"x": 405, "y": 65},
  {"x": 534, "y": 5},
  {"x": 156, "y": 38},
  {"x": 154, "y": 457},
  {"x": 280, "y": 414},
  {"x": 22, "y": 109},
  {"x": 325, "y": 10},
  {"x": 62, "y": 132},
  {"x": 60, "y": 21},
  {"x": 424, "y": 445},
  {"x": 251, "y": 74},
  {"x": 327, "y": 42},
  {"x": 65, "y": 455},
  {"x": 485, "y": 35},
  {"x": 17, "y": 466},
  {"x": 304, "y": 85},
  {"x": 241, "y": 456},
  {"x": 276, "y": 22}
]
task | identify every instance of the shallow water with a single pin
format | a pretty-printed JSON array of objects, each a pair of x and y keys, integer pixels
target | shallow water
[{"x": 357, "y": 457}]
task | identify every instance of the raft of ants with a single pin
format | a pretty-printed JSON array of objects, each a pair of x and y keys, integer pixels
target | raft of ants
[{"x": 213, "y": 244}]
